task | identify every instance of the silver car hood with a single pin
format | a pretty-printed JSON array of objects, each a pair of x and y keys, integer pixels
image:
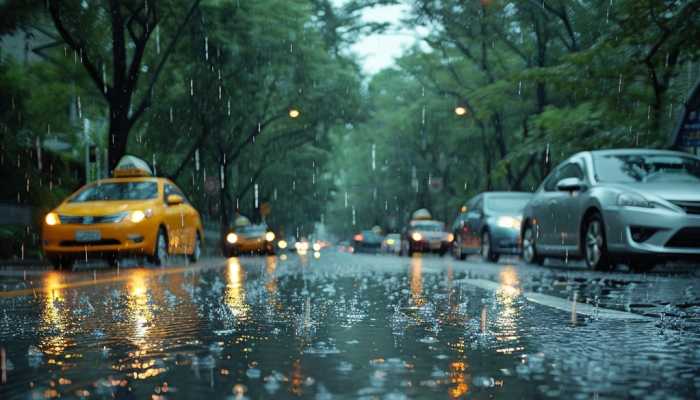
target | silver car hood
[{"x": 680, "y": 191}]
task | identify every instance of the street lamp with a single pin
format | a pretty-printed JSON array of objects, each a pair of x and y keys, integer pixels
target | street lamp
[
  {"x": 294, "y": 113},
  {"x": 460, "y": 110}
]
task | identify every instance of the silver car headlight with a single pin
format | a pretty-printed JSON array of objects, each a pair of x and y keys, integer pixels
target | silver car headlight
[{"x": 633, "y": 200}]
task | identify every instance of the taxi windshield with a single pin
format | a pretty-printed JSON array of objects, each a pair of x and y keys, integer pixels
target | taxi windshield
[
  {"x": 253, "y": 230},
  {"x": 428, "y": 226},
  {"x": 115, "y": 191}
]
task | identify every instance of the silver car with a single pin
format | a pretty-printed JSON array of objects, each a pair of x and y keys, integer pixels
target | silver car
[{"x": 631, "y": 206}]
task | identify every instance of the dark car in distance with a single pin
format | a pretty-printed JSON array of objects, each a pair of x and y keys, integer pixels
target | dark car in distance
[
  {"x": 367, "y": 242},
  {"x": 490, "y": 225}
]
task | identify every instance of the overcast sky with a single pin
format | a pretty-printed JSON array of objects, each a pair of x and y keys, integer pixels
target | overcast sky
[{"x": 378, "y": 51}]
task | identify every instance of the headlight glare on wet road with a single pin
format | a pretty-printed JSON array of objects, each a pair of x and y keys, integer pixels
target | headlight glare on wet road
[
  {"x": 509, "y": 222},
  {"x": 52, "y": 219},
  {"x": 232, "y": 238}
]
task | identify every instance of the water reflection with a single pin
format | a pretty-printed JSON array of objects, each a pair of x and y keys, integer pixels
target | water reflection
[
  {"x": 234, "y": 296},
  {"x": 271, "y": 283},
  {"x": 508, "y": 311},
  {"x": 458, "y": 379},
  {"x": 53, "y": 318},
  {"x": 139, "y": 306},
  {"x": 417, "y": 280}
]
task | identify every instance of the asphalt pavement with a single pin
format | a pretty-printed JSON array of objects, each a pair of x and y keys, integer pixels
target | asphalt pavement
[{"x": 339, "y": 325}]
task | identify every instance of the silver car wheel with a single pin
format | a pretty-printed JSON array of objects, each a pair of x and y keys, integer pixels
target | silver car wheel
[{"x": 594, "y": 243}]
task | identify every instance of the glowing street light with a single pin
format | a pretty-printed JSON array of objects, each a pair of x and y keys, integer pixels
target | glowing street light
[
  {"x": 460, "y": 110},
  {"x": 294, "y": 113}
]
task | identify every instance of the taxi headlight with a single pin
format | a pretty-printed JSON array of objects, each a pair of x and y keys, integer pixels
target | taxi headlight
[
  {"x": 317, "y": 247},
  {"x": 509, "y": 222},
  {"x": 232, "y": 238},
  {"x": 137, "y": 216},
  {"x": 269, "y": 236},
  {"x": 417, "y": 237},
  {"x": 282, "y": 244},
  {"x": 52, "y": 219},
  {"x": 390, "y": 242},
  {"x": 450, "y": 237}
]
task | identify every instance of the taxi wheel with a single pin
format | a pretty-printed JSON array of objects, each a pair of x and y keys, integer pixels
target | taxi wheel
[
  {"x": 197, "y": 252},
  {"x": 160, "y": 252},
  {"x": 62, "y": 263}
]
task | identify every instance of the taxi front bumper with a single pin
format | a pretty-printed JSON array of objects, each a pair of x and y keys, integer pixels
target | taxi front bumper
[
  {"x": 121, "y": 238},
  {"x": 250, "y": 246}
]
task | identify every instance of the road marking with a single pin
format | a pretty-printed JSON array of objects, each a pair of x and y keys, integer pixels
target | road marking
[{"x": 559, "y": 303}]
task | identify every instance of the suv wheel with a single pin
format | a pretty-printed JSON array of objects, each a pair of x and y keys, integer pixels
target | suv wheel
[
  {"x": 487, "y": 253},
  {"x": 529, "y": 252}
]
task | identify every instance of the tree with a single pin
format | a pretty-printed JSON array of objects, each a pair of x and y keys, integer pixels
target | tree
[{"x": 131, "y": 25}]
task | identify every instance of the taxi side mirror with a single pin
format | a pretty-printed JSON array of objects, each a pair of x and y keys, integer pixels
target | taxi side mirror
[{"x": 174, "y": 199}]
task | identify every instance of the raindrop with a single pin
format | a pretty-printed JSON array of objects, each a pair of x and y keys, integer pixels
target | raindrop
[
  {"x": 346, "y": 199},
  {"x": 157, "y": 39},
  {"x": 354, "y": 221},
  {"x": 155, "y": 173},
  {"x": 80, "y": 109},
  {"x": 221, "y": 176},
  {"x": 257, "y": 195},
  {"x": 171, "y": 115},
  {"x": 520, "y": 87},
  {"x": 196, "y": 160},
  {"x": 374, "y": 157},
  {"x": 191, "y": 87},
  {"x": 206, "y": 47}
]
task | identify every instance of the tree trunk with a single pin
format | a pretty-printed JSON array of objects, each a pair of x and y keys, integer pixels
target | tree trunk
[{"x": 118, "y": 138}]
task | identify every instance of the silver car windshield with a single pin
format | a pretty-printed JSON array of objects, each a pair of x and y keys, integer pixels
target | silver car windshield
[{"x": 631, "y": 168}]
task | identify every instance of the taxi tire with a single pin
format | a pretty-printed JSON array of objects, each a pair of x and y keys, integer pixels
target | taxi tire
[
  {"x": 197, "y": 251},
  {"x": 61, "y": 263},
  {"x": 154, "y": 258}
]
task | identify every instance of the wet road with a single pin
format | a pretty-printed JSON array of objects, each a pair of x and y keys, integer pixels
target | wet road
[{"x": 349, "y": 326}]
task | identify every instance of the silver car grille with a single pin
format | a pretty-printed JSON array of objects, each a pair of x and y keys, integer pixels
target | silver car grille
[{"x": 690, "y": 207}]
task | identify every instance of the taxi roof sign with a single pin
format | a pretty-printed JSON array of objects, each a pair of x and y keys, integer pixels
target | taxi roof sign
[
  {"x": 421, "y": 214},
  {"x": 130, "y": 166},
  {"x": 241, "y": 220}
]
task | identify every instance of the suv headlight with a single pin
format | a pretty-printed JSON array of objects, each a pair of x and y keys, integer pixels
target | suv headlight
[
  {"x": 633, "y": 200},
  {"x": 508, "y": 222}
]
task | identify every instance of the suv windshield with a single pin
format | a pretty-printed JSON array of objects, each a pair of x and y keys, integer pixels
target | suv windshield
[
  {"x": 507, "y": 204},
  {"x": 116, "y": 191},
  {"x": 631, "y": 168}
]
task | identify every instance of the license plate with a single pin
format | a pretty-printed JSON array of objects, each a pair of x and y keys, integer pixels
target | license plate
[
  {"x": 87, "y": 236},
  {"x": 435, "y": 245}
]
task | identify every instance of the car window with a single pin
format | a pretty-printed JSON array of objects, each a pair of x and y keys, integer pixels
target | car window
[
  {"x": 172, "y": 189},
  {"x": 114, "y": 191}
]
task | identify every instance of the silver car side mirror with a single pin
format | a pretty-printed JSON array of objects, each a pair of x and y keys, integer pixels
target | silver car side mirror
[{"x": 571, "y": 185}]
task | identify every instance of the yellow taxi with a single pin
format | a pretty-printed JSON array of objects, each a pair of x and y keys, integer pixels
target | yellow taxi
[
  {"x": 132, "y": 214},
  {"x": 249, "y": 238}
]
